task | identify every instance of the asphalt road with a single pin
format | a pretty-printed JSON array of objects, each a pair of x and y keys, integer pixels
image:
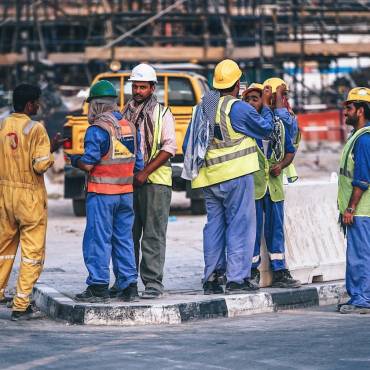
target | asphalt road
[{"x": 313, "y": 338}]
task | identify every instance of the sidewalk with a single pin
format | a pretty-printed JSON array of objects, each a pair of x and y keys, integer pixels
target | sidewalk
[{"x": 64, "y": 275}]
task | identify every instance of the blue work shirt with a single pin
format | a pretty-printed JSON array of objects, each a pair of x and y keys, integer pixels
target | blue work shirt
[
  {"x": 247, "y": 121},
  {"x": 97, "y": 142},
  {"x": 289, "y": 120},
  {"x": 361, "y": 156}
]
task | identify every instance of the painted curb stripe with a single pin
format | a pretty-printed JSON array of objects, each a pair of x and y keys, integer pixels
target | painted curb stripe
[
  {"x": 296, "y": 298},
  {"x": 59, "y": 306}
]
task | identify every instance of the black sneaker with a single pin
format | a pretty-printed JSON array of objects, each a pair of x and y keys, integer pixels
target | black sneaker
[
  {"x": 130, "y": 294},
  {"x": 113, "y": 291},
  {"x": 283, "y": 279},
  {"x": 94, "y": 294},
  {"x": 212, "y": 287},
  {"x": 236, "y": 288},
  {"x": 151, "y": 293},
  {"x": 29, "y": 314},
  {"x": 254, "y": 280}
]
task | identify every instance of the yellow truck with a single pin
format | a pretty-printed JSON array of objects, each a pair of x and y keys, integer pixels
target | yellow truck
[{"x": 178, "y": 90}]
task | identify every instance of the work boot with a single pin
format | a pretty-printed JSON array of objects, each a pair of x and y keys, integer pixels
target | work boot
[
  {"x": 151, "y": 293},
  {"x": 5, "y": 300},
  {"x": 220, "y": 277},
  {"x": 254, "y": 280},
  {"x": 113, "y": 291},
  {"x": 283, "y": 279},
  {"x": 236, "y": 288},
  {"x": 352, "y": 309},
  {"x": 94, "y": 294},
  {"x": 29, "y": 314},
  {"x": 129, "y": 294},
  {"x": 212, "y": 287}
]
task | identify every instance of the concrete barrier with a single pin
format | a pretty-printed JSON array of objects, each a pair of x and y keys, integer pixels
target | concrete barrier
[{"x": 315, "y": 246}]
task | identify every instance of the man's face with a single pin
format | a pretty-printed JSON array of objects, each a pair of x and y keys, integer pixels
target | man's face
[
  {"x": 142, "y": 90},
  {"x": 254, "y": 98},
  {"x": 350, "y": 113}
]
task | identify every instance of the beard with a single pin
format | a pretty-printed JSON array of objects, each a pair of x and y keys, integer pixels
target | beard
[{"x": 351, "y": 120}]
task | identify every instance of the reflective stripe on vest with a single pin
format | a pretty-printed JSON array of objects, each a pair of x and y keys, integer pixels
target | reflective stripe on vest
[
  {"x": 345, "y": 179},
  {"x": 233, "y": 156},
  {"x": 163, "y": 174},
  {"x": 114, "y": 173},
  {"x": 263, "y": 180}
]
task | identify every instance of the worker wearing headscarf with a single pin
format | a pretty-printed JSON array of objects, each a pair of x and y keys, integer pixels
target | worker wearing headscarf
[{"x": 110, "y": 159}]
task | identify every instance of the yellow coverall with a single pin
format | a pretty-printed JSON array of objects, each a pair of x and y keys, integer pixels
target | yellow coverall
[{"x": 24, "y": 157}]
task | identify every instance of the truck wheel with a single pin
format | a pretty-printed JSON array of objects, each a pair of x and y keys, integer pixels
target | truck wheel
[
  {"x": 79, "y": 207},
  {"x": 198, "y": 207}
]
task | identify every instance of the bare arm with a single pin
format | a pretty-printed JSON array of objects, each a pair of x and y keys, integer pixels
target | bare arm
[
  {"x": 354, "y": 200},
  {"x": 276, "y": 169}
]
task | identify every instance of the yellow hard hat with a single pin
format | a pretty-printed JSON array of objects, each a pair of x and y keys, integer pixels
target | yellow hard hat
[
  {"x": 274, "y": 82},
  {"x": 253, "y": 87},
  {"x": 226, "y": 74},
  {"x": 359, "y": 94}
]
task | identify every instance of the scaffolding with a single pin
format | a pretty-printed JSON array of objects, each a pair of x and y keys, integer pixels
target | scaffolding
[{"x": 74, "y": 40}]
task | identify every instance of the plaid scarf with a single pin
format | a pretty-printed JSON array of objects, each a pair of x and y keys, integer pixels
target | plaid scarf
[{"x": 142, "y": 116}]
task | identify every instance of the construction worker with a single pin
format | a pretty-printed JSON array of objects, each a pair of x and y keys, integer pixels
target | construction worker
[
  {"x": 152, "y": 193},
  {"x": 220, "y": 157},
  {"x": 354, "y": 200},
  {"x": 25, "y": 153},
  {"x": 284, "y": 112},
  {"x": 274, "y": 155},
  {"x": 110, "y": 158}
]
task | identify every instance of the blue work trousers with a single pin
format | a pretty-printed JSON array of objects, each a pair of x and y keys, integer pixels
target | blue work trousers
[
  {"x": 273, "y": 228},
  {"x": 358, "y": 262},
  {"x": 229, "y": 235},
  {"x": 108, "y": 234}
]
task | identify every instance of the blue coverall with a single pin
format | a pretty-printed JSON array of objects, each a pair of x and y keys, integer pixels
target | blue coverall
[
  {"x": 274, "y": 220},
  {"x": 109, "y": 220},
  {"x": 358, "y": 234},
  {"x": 231, "y": 219}
]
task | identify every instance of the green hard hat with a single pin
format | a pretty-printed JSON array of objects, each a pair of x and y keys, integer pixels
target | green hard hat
[{"x": 100, "y": 89}]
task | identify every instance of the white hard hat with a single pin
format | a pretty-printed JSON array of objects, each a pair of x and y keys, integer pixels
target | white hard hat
[{"x": 143, "y": 72}]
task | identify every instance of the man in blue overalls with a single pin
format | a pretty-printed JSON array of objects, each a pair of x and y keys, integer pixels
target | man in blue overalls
[
  {"x": 354, "y": 201},
  {"x": 274, "y": 155},
  {"x": 110, "y": 158},
  {"x": 225, "y": 174}
]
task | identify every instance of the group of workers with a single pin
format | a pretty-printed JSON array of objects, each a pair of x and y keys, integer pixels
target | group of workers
[{"x": 237, "y": 150}]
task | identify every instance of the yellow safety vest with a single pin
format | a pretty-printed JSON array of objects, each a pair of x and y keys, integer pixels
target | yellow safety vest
[
  {"x": 24, "y": 152},
  {"x": 232, "y": 157},
  {"x": 346, "y": 169},
  {"x": 290, "y": 171},
  {"x": 263, "y": 180},
  {"x": 163, "y": 174}
]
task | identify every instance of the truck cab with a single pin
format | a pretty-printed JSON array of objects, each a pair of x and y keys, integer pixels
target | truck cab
[{"x": 178, "y": 90}]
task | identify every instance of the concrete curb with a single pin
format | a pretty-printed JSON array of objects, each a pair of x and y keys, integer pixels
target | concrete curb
[{"x": 177, "y": 309}]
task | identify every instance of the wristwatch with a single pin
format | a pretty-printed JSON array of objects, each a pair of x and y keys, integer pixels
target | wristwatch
[{"x": 350, "y": 210}]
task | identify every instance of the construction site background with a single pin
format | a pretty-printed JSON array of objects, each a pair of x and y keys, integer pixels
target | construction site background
[{"x": 321, "y": 48}]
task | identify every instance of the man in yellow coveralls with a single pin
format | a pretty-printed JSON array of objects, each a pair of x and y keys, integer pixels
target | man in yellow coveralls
[{"x": 25, "y": 153}]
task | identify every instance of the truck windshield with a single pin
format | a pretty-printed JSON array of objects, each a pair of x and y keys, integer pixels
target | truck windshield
[{"x": 180, "y": 92}]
